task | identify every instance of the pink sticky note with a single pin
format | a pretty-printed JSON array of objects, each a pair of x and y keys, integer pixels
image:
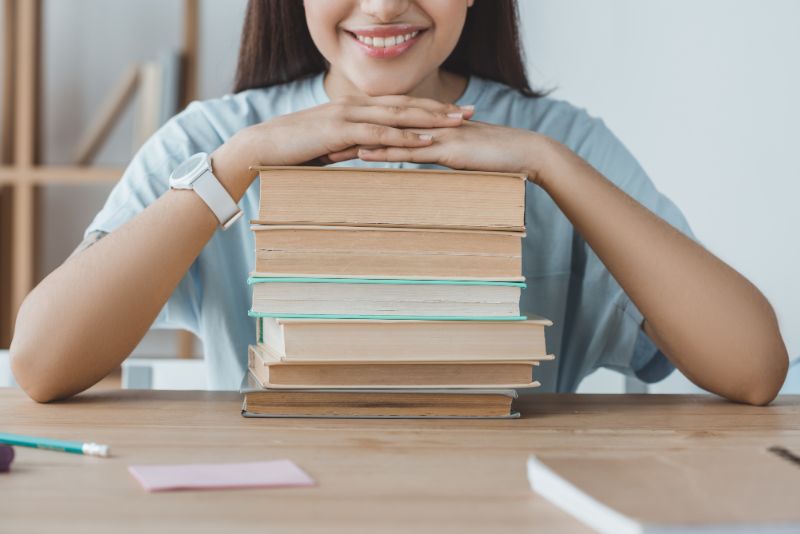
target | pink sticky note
[{"x": 211, "y": 476}]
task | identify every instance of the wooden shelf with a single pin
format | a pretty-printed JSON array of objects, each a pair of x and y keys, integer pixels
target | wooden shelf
[
  {"x": 55, "y": 174},
  {"x": 20, "y": 172}
]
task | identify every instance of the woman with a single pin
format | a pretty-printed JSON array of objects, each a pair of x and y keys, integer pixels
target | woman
[{"x": 383, "y": 82}]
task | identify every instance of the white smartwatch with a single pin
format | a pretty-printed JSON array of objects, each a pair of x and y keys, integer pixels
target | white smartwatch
[{"x": 195, "y": 173}]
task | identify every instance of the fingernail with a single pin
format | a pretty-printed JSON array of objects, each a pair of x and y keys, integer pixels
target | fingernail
[
  {"x": 425, "y": 137},
  {"x": 468, "y": 107},
  {"x": 456, "y": 115}
]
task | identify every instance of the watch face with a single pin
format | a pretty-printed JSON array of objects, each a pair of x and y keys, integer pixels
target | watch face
[{"x": 185, "y": 173}]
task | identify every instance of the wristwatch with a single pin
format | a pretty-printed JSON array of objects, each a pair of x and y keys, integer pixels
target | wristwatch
[{"x": 195, "y": 173}]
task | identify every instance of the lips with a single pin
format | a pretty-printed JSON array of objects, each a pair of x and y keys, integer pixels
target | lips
[{"x": 386, "y": 41}]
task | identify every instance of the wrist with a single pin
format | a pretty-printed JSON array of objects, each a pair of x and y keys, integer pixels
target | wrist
[
  {"x": 544, "y": 160},
  {"x": 231, "y": 164}
]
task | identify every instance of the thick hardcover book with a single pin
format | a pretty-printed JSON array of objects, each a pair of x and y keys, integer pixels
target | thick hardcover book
[
  {"x": 373, "y": 252},
  {"x": 392, "y": 197},
  {"x": 363, "y": 340},
  {"x": 275, "y": 373},
  {"x": 376, "y": 403}
]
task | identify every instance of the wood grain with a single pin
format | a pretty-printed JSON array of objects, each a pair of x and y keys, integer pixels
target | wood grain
[
  {"x": 7, "y": 173},
  {"x": 442, "y": 476},
  {"x": 26, "y": 122},
  {"x": 22, "y": 245},
  {"x": 191, "y": 52},
  {"x": 7, "y": 81},
  {"x": 5, "y": 264}
]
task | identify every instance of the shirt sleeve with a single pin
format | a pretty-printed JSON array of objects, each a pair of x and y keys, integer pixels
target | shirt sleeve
[
  {"x": 606, "y": 317},
  {"x": 147, "y": 178}
]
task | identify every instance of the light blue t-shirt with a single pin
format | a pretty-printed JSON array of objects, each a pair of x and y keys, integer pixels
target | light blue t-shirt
[{"x": 595, "y": 323}]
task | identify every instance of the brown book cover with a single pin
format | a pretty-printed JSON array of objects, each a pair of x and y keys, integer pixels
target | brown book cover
[
  {"x": 392, "y": 197},
  {"x": 365, "y": 339},
  {"x": 375, "y": 252},
  {"x": 274, "y": 373},
  {"x": 376, "y": 403}
]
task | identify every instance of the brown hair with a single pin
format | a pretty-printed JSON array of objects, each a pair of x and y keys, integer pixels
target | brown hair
[{"x": 276, "y": 46}]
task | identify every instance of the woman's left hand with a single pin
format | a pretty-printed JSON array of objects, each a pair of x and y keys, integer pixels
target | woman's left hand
[{"x": 473, "y": 145}]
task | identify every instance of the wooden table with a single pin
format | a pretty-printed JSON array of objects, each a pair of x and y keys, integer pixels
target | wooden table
[{"x": 443, "y": 476}]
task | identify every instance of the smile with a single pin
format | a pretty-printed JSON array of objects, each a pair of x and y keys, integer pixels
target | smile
[{"x": 386, "y": 41}]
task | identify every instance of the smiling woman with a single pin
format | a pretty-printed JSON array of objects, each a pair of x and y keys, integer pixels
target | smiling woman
[{"x": 607, "y": 257}]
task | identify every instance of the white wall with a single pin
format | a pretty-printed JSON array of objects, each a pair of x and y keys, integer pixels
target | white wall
[{"x": 705, "y": 95}]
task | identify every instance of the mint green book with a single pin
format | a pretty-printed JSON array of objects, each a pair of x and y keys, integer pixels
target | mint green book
[{"x": 388, "y": 299}]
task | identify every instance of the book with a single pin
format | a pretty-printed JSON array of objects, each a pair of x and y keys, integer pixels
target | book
[
  {"x": 676, "y": 491},
  {"x": 356, "y": 340},
  {"x": 376, "y": 403},
  {"x": 391, "y": 197},
  {"x": 272, "y": 372},
  {"x": 389, "y": 293},
  {"x": 371, "y": 298},
  {"x": 374, "y": 252}
]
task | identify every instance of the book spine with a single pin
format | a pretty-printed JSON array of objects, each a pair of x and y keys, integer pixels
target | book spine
[
  {"x": 252, "y": 313},
  {"x": 380, "y": 281}
]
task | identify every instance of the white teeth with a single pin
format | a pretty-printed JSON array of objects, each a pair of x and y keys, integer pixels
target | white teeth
[{"x": 381, "y": 42}]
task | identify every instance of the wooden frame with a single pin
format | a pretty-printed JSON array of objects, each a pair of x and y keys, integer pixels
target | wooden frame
[{"x": 20, "y": 173}]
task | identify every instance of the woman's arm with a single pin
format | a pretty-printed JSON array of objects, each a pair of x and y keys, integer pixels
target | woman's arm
[
  {"x": 711, "y": 322},
  {"x": 70, "y": 332}
]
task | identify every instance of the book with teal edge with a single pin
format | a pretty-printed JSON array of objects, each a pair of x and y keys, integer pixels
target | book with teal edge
[
  {"x": 320, "y": 280},
  {"x": 388, "y": 281}
]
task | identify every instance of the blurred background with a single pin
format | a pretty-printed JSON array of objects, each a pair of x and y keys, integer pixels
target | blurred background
[{"x": 703, "y": 93}]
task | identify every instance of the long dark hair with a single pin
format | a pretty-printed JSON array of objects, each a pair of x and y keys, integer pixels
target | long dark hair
[{"x": 277, "y": 48}]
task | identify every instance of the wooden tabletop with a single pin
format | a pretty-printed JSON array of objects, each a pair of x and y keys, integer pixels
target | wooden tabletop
[{"x": 372, "y": 475}]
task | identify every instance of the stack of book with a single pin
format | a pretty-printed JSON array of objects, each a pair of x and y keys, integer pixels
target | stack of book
[{"x": 389, "y": 293}]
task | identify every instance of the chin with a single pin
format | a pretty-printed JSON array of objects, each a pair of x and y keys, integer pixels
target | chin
[{"x": 385, "y": 85}]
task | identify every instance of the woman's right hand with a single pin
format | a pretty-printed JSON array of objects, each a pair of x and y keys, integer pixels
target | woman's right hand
[{"x": 333, "y": 132}]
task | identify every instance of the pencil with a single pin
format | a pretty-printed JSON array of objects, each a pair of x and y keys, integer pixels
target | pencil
[{"x": 76, "y": 447}]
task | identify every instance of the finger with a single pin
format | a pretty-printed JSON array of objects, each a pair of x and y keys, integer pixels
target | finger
[
  {"x": 343, "y": 155},
  {"x": 404, "y": 116},
  {"x": 411, "y": 101},
  {"x": 317, "y": 162},
  {"x": 407, "y": 154},
  {"x": 366, "y": 134}
]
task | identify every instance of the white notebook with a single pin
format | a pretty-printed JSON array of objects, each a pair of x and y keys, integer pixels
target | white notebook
[{"x": 704, "y": 491}]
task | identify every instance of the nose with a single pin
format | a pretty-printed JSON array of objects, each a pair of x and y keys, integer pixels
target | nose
[{"x": 384, "y": 10}]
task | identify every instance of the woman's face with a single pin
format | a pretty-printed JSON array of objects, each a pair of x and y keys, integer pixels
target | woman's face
[{"x": 385, "y": 47}]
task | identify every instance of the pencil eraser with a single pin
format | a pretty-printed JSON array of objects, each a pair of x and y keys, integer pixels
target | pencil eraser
[{"x": 6, "y": 457}]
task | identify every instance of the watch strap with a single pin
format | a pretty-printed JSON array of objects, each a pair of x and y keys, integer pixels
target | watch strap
[{"x": 217, "y": 198}]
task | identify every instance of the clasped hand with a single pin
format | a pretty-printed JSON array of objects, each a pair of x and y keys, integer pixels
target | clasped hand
[{"x": 396, "y": 128}]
